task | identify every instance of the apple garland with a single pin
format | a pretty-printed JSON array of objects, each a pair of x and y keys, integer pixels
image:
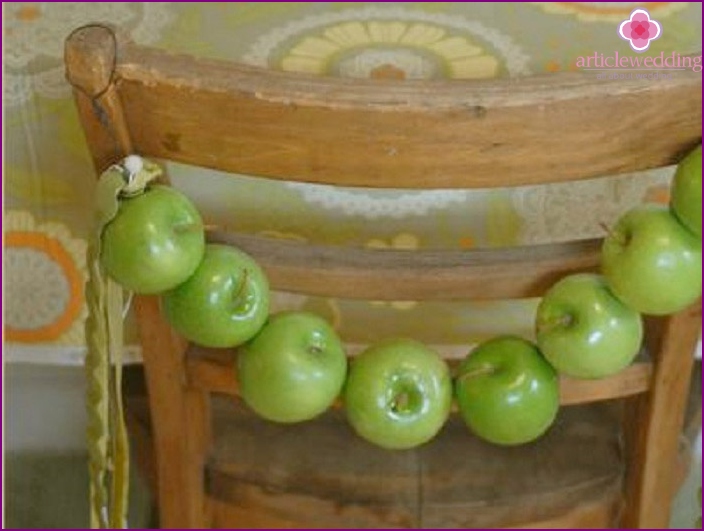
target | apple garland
[{"x": 398, "y": 393}]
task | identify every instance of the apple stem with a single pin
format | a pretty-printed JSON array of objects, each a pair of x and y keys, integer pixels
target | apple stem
[
  {"x": 611, "y": 234},
  {"x": 563, "y": 321},
  {"x": 479, "y": 371},
  {"x": 606, "y": 228},
  {"x": 242, "y": 285},
  {"x": 194, "y": 227},
  {"x": 315, "y": 349},
  {"x": 400, "y": 402}
]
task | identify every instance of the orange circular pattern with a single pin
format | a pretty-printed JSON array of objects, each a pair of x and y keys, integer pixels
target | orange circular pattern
[{"x": 55, "y": 251}]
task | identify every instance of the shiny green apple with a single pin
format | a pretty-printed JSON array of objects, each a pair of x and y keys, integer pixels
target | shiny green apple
[
  {"x": 398, "y": 394},
  {"x": 293, "y": 369},
  {"x": 155, "y": 242},
  {"x": 224, "y": 303},
  {"x": 584, "y": 331},
  {"x": 651, "y": 262},
  {"x": 507, "y": 392},
  {"x": 687, "y": 191}
]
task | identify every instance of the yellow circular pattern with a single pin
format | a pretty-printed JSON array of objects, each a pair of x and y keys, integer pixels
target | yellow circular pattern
[{"x": 390, "y": 49}]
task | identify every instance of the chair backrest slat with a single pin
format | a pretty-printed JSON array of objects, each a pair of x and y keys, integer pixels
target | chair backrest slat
[
  {"x": 374, "y": 274},
  {"x": 391, "y": 134}
]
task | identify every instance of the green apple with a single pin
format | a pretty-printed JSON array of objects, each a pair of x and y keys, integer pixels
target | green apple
[
  {"x": 398, "y": 394},
  {"x": 155, "y": 242},
  {"x": 224, "y": 303},
  {"x": 507, "y": 392},
  {"x": 651, "y": 262},
  {"x": 584, "y": 331},
  {"x": 687, "y": 191},
  {"x": 293, "y": 369}
]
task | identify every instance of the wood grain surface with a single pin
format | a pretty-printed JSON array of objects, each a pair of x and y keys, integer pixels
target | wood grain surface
[
  {"x": 404, "y": 134},
  {"x": 320, "y": 473},
  {"x": 387, "y": 274}
]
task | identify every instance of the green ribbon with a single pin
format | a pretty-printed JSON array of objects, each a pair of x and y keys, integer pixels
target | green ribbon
[{"x": 108, "y": 444}]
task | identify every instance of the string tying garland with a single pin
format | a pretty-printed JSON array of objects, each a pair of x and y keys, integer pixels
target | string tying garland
[{"x": 108, "y": 445}]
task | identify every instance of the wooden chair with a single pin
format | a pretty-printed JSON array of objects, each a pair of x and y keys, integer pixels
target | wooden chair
[{"x": 396, "y": 134}]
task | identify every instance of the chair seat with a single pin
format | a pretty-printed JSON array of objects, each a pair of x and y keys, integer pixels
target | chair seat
[{"x": 319, "y": 474}]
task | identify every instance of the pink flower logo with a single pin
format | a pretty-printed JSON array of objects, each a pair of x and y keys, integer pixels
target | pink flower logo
[{"x": 639, "y": 30}]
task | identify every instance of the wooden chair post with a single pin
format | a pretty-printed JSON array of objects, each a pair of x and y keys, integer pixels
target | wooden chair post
[
  {"x": 181, "y": 421},
  {"x": 654, "y": 421},
  {"x": 91, "y": 57}
]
